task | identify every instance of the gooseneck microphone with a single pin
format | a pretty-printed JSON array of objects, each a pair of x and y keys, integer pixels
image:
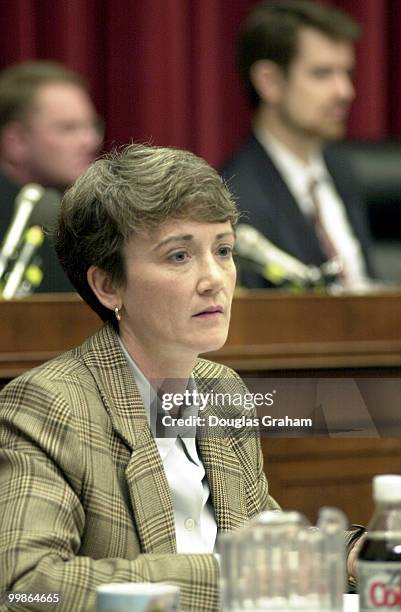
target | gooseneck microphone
[
  {"x": 275, "y": 265},
  {"x": 36, "y": 208},
  {"x": 25, "y": 202}
]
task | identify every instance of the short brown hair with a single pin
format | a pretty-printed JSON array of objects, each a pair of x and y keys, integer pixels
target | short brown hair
[
  {"x": 136, "y": 188},
  {"x": 271, "y": 31},
  {"x": 20, "y": 82}
]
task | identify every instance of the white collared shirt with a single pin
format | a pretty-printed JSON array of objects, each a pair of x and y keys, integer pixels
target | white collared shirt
[
  {"x": 195, "y": 522},
  {"x": 298, "y": 177}
]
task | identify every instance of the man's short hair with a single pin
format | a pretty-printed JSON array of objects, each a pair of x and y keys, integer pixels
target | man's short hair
[
  {"x": 271, "y": 30},
  {"x": 129, "y": 190},
  {"x": 19, "y": 84}
]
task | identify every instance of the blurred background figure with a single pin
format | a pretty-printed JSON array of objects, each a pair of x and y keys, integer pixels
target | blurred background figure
[
  {"x": 297, "y": 60},
  {"x": 49, "y": 133}
]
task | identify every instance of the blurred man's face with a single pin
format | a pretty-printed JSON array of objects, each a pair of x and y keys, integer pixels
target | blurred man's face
[
  {"x": 60, "y": 135},
  {"x": 317, "y": 91}
]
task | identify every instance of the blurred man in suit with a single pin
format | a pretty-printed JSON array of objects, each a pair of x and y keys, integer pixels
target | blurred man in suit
[
  {"x": 49, "y": 134},
  {"x": 297, "y": 59}
]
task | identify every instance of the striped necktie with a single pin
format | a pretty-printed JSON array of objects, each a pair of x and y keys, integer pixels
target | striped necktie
[{"x": 325, "y": 242}]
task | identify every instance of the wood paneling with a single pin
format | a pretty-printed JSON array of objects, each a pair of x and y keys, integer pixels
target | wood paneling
[
  {"x": 276, "y": 330},
  {"x": 305, "y": 474},
  {"x": 269, "y": 330}
]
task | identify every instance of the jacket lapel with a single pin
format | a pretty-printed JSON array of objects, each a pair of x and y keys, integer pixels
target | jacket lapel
[
  {"x": 150, "y": 497},
  {"x": 146, "y": 479},
  {"x": 222, "y": 464},
  {"x": 226, "y": 481}
]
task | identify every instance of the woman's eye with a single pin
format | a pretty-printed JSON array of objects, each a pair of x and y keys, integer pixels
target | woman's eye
[
  {"x": 179, "y": 257},
  {"x": 225, "y": 251}
]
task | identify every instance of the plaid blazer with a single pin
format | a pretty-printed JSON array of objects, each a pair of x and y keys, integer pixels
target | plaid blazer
[{"x": 84, "y": 499}]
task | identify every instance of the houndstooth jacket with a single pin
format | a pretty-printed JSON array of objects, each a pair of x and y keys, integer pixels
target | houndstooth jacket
[{"x": 84, "y": 499}]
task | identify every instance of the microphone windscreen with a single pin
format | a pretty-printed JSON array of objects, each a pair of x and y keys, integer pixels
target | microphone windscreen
[{"x": 31, "y": 192}]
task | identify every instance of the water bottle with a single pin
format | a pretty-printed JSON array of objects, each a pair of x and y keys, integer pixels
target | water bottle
[
  {"x": 279, "y": 562},
  {"x": 379, "y": 560}
]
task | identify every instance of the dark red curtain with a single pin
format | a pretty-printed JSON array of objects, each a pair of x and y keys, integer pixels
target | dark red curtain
[{"x": 163, "y": 71}]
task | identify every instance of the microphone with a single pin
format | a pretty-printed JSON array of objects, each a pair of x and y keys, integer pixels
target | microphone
[
  {"x": 275, "y": 265},
  {"x": 33, "y": 240},
  {"x": 25, "y": 202}
]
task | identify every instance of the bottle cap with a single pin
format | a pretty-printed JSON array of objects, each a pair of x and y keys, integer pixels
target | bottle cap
[{"x": 387, "y": 487}]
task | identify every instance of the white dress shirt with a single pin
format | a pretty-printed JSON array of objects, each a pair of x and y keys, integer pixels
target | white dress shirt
[
  {"x": 299, "y": 176},
  {"x": 195, "y": 522}
]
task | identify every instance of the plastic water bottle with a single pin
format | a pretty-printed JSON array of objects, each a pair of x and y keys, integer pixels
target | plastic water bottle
[
  {"x": 379, "y": 562},
  {"x": 279, "y": 562}
]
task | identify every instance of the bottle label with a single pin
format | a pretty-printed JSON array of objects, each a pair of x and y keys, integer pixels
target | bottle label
[{"x": 379, "y": 586}]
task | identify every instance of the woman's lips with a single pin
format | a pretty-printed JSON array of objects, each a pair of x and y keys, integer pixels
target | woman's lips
[{"x": 209, "y": 313}]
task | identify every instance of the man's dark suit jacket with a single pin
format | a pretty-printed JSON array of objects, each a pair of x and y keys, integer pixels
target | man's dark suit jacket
[
  {"x": 54, "y": 279},
  {"x": 266, "y": 203}
]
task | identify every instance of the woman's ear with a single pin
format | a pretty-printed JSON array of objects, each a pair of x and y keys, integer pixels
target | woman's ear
[{"x": 103, "y": 287}]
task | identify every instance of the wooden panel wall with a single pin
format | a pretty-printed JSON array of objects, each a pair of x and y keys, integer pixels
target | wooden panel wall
[{"x": 306, "y": 474}]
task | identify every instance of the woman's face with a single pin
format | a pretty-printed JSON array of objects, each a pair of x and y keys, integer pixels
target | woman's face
[{"x": 179, "y": 287}]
